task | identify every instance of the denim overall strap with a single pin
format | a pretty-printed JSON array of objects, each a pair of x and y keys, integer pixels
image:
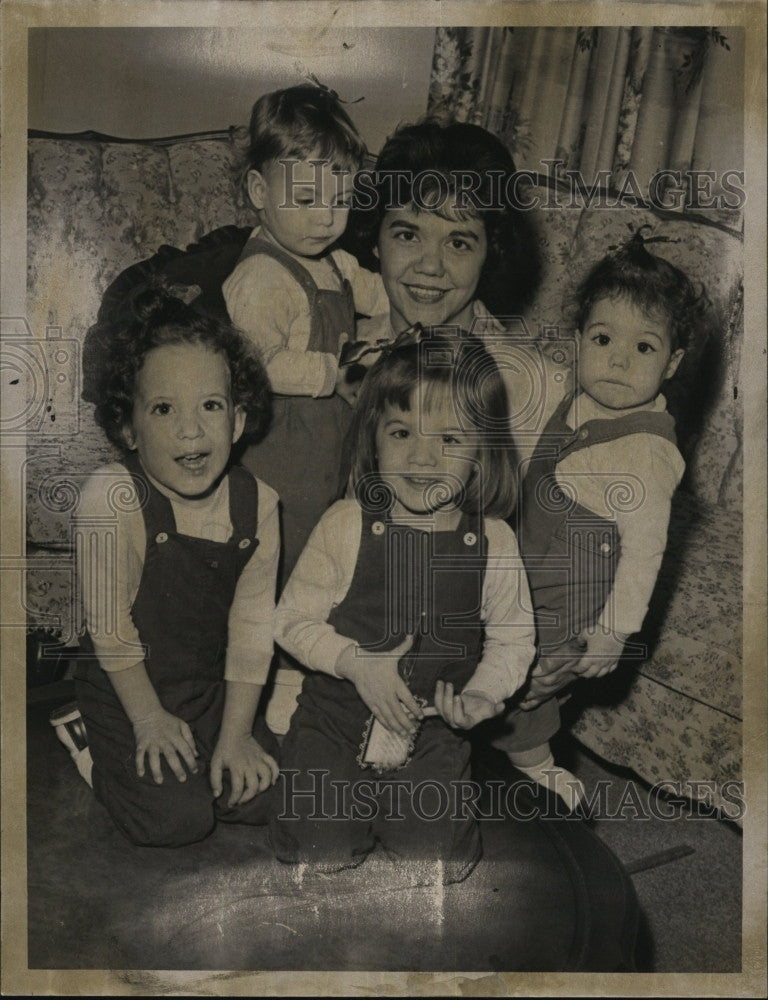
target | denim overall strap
[
  {"x": 331, "y": 311},
  {"x": 181, "y": 610},
  {"x": 570, "y": 552},
  {"x": 427, "y": 584},
  {"x": 301, "y": 453}
]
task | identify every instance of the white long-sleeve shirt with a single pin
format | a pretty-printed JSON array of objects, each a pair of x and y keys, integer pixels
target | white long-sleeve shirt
[
  {"x": 266, "y": 302},
  {"x": 630, "y": 480},
  {"x": 323, "y": 574},
  {"x": 111, "y": 560}
]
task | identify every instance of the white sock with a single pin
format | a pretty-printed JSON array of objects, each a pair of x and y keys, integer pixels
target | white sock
[
  {"x": 84, "y": 764},
  {"x": 556, "y": 779},
  {"x": 61, "y": 720}
]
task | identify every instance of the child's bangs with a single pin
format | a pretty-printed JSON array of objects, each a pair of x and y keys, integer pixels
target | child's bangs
[
  {"x": 642, "y": 295},
  {"x": 433, "y": 388},
  {"x": 322, "y": 152},
  {"x": 399, "y": 382},
  {"x": 438, "y": 392},
  {"x": 331, "y": 142}
]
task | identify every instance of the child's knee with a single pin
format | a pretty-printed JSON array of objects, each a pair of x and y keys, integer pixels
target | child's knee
[
  {"x": 158, "y": 815},
  {"x": 172, "y": 828},
  {"x": 332, "y": 844}
]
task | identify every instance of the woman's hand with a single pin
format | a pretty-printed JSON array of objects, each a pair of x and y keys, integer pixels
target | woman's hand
[
  {"x": 348, "y": 390},
  {"x": 379, "y": 684},
  {"x": 346, "y": 386},
  {"x": 552, "y": 672},
  {"x": 602, "y": 655},
  {"x": 465, "y": 710},
  {"x": 162, "y": 734},
  {"x": 251, "y": 769}
]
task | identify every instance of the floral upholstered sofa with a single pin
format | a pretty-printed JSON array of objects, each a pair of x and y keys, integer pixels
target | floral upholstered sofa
[{"x": 97, "y": 205}]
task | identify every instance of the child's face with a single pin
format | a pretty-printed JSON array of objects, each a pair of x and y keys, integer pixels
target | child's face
[
  {"x": 424, "y": 456},
  {"x": 184, "y": 421},
  {"x": 304, "y": 206},
  {"x": 431, "y": 267},
  {"x": 624, "y": 354}
]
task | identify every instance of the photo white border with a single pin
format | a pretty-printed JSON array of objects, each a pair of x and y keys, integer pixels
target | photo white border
[{"x": 17, "y": 17}]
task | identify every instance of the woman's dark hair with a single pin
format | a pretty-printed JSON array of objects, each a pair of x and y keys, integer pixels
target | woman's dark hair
[
  {"x": 149, "y": 317},
  {"x": 441, "y": 364},
  {"x": 463, "y": 170},
  {"x": 651, "y": 283},
  {"x": 300, "y": 122}
]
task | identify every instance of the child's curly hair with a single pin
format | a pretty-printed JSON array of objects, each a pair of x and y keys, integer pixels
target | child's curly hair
[
  {"x": 150, "y": 316},
  {"x": 464, "y": 170},
  {"x": 651, "y": 283}
]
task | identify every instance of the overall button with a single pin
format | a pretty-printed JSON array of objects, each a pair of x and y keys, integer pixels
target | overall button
[
  {"x": 378, "y": 527},
  {"x": 161, "y": 537},
  {"x": 584, "y": 434},
  {"x": 605, "y": 547},
  {"x": 470, "y": 538},
  {"x": 244, "y": 543}
]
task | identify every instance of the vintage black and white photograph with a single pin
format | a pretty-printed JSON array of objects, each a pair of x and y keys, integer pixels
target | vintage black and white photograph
[{"x": 383, "y": 498}]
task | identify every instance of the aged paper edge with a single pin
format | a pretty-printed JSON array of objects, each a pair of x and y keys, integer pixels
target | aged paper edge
[{"x": 20, "y": 15}]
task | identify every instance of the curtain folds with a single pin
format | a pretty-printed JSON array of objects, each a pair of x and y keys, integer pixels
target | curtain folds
[{"x": 603, "y": 101}]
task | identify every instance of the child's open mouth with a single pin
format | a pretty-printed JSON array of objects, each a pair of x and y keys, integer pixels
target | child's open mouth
[
  {"x": 195, "y": 460},
  {"x": 420, "y": 482}
]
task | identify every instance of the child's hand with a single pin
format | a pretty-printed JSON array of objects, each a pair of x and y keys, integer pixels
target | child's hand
[
  {"x": 164, "y": 734},
  {"x": 251, "y": 770},
  {"x": 603, "y": 653},
  {"x": 465, "y": 710},
  {"x": 381, "y": 687}
]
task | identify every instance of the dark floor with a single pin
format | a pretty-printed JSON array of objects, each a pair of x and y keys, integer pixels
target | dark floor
[
  {"x": 546, "y": 896},
  {"x": 686, "y": 870}
]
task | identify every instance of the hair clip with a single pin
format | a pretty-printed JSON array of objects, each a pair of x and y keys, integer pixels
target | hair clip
[
  {"x": 331, "y": 93},
  {"x": 185, "y": 293},
  {"x": 352, "y": 353},
  {"x": 637, "y": 238}
]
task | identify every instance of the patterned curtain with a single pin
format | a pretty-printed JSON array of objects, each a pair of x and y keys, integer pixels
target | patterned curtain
[{"x": 598, "y": 99}]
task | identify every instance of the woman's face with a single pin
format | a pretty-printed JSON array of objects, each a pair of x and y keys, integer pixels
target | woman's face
[{"x": 431, "y": 266}]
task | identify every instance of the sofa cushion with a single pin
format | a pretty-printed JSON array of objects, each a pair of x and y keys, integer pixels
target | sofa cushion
[{"x": 96, "y": 207}]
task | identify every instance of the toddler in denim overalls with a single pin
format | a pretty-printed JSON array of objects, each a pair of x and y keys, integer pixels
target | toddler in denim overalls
[
  {"x": 295, "y": 295},
  {"x": 595, "y": 500},
  {"x": 177, "y": 560},
  {"x": 409, "y": 607}
]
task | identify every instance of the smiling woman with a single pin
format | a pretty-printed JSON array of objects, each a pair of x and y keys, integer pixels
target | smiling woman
[
  {"x": 451, "y": 244},
  {"x": 431, "y": 265}
]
